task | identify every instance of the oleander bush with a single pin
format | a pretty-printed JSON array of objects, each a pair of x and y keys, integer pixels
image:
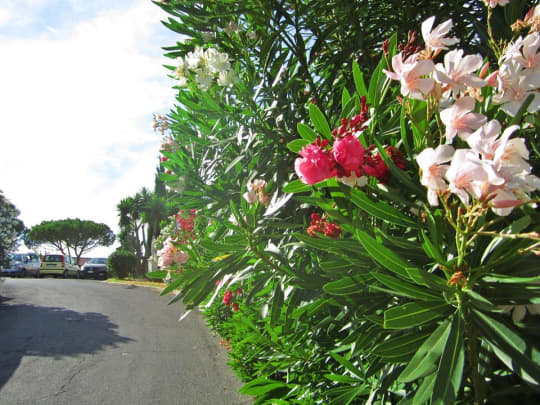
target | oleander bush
[{"x": 357, "y": 191}]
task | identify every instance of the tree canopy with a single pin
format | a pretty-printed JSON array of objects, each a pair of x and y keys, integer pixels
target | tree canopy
[
  {"x": 75, "y": 235},
  {"x": 10, "y": 226}
]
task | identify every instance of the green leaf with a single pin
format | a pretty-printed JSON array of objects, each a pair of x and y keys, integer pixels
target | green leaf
[
  {"x": 345, "y": 98},
  {"x": 359, "y": 80},
  {"x": 400, "y": 287},
  {"x": 261, "y": 386},
  {"x": 277, "y": 304},
  {"x": 518, "y": 354},
  {"x": 296, "y": 186},
  {"x": 346, "y": 285},
  {"x": 306, "y": 132},
  {"x": 380, "y": 209},
  {"x": 347, "y": 364},
  {"x": 424, "y": 391},
  {"x": 297, "y": 145},
  {"x": 174, "y": 284},
  {"x": 384, "y": 256},
  {"x": 319, "y": 121},
  {"x": 424, "y": 360},
  {"x": 414, "y": 314},
  {"x": 400, "y": 345},
  {"x": 450, "y": 372}
]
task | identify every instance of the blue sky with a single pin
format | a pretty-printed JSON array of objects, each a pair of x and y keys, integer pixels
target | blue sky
[{"x": 79, "y": 82}]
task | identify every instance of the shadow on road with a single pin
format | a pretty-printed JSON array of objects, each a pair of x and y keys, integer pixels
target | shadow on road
[{"x": 30, "y": 330}]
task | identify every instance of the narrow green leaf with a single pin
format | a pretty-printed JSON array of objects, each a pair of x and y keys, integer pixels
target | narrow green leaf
[
  {"x": 347, "y": 285},
  {"x": 174, "y": 284},
  {"x": 401, "y": 287},
  {"x": 425, "y": 359},
  {"x": 359, "y": 80},
  {"x": 345, "y": 97},
  {"x": 261, "y": 386},
  {"x": 306, "y": 132},
  {"x": 297, "y": 145},
  {"x": 296, "y": 186},
  {"x": 277, "y": 304},
  {"x": 424, "y": 391},
  {"x": 413, "y": 314},
  {"x": 347, "y": 364},
  {"x": 518, "y": 354},
  {"x": 319, "y": 121},
  {"x": 400, "y": 345},
  {"x": 382, "y": 255},
  {"x": 450, "y": 372},
  {"x": 380, "y": 209}
]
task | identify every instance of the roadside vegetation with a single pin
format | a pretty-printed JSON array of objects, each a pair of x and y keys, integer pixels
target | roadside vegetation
[{"x": 352, "y": 196}]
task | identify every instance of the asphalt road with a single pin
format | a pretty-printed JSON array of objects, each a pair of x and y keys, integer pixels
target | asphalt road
[{"x": 88, "y": 342}]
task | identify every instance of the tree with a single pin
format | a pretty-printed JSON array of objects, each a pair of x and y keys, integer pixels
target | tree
[
  {"x": 139, "y": 220},
  {"x": 10, "y": 226},
  {"x": 72, "y": 234}
]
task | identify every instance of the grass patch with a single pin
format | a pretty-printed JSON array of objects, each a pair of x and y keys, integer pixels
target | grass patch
[{"x": 140, "y": 282}]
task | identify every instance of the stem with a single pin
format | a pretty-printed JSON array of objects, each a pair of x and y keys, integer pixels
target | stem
[
  {"x": 472, "y": 357},
  {"x": 492, "y": 42}
]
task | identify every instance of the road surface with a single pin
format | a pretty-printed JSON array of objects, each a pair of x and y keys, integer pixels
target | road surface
[{"x": 89, "y": 342}]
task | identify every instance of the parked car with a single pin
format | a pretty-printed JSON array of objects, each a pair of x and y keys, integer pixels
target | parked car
[
  {"x": 59, "y": 265},
  {"x": 21, "y": 264},
  {"x": 95, "y": 268}
]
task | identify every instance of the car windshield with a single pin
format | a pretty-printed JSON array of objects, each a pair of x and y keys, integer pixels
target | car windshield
[
  {"x": 52, "y": 258},
  {"x": 97, "y": 260},
  {"x": 16, "y": 257}
]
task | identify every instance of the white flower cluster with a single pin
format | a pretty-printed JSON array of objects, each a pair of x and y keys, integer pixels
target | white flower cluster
[
  {"x": 203, "y": 67},
  {"x": 518, "y": 75},
  {"x": 495, "y": 168}
]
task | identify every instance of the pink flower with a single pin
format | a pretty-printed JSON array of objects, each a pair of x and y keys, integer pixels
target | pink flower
[
  {"x": 457, "y": 71},
  {"x": 467, "y": 175},
  {"x": 459, "y": 120},
  {"x": 170, "y": 254},
  {"x": 435, "y": 38},
  {"x": 315, "y": 165},
  {"x": 515, "y": 85},
  {"x": 430, "y": 161},
  {"x": 411, "y": 75},
  {"x": 349, "y": 153}
]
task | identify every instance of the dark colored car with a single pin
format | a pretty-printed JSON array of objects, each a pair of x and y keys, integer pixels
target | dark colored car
[{"x": 95, "y": 268}]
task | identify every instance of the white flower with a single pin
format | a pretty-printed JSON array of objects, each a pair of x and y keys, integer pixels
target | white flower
[
  {"x": 459, "y": 120},
  {"x": 430, "y": 161},
  {"x": 467, "y": 175},
  {"x": 435, "y": 39},
  {"x": 458, "y": 71},
  {"x": 195, "y": 59},
  {"x": 227, "y": 79},
  {"x": 204, "y": 79},
  {"x": 515, "y": 85},
  {"x": 412, "y": 75},
  {"x": 216, "y": 62}
]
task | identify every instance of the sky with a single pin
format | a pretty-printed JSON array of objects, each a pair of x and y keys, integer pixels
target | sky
[{"x": 79, "y": 82}]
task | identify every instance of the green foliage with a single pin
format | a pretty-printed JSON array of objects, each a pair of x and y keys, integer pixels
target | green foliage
[
  {"x": 122, "y": 263},
  {"x": 380, "y": 314}
]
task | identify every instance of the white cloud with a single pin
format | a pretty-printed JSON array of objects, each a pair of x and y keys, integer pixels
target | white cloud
[
  {"x": 5, "y": 16},
  {"x": 75, "y": 134}
]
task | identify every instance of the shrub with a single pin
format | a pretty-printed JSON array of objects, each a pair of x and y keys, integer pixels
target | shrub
[{"x": 122, "y": 263}]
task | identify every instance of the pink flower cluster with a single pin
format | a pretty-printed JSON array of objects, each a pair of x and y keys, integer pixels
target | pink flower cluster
[
  {"x": 320, "y": 225},
  {"x": 185, "y": 224},
  {"x": 170, "y": 254},
  {"x": 229, "y": 297},
  {"x": 347, "y": 159}
]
